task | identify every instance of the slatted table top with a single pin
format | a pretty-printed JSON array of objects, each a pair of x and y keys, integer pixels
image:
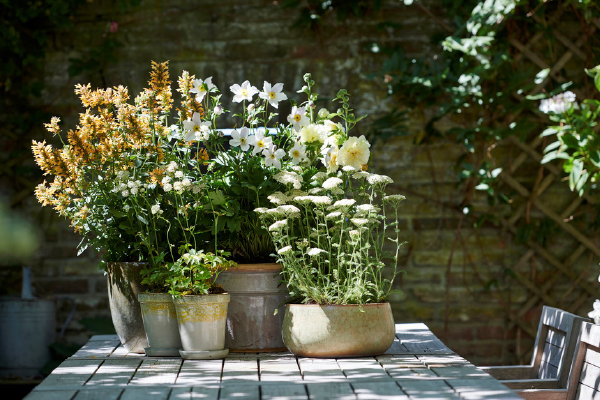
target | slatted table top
[{"x": 417, "y": 366}]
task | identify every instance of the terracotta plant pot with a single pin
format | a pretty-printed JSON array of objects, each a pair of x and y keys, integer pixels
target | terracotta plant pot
[
  {"x": 123, "y": 289},
  {"x": 160, "y": 324},
  {"x": 313, "y": 330},
  {"x": 201, "y": 321},
  {"x": 256, "y": 293}
]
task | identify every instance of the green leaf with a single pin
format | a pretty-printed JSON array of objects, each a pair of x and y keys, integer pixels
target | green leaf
[
  {"x": 552, "y": 130},
  {"x": 142, "y": 219},
  {"x": 575, "y": 174},
  {"x": 541, "y": 76}
]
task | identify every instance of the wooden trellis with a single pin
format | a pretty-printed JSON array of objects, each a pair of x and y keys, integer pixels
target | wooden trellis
[{"x": 529, "y": 194}]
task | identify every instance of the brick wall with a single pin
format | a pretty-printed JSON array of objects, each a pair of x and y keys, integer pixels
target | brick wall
[{"x": 455, "y": 278}]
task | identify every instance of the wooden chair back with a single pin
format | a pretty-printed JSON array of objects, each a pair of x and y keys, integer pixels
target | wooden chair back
[
  {"x": 555, "y": 344},
  {"x": 584, "y": 381},
  {"x": 584, "y": 378}
]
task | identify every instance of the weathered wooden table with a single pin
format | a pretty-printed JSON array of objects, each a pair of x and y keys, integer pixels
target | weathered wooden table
[{"x": 417, "y": 366}]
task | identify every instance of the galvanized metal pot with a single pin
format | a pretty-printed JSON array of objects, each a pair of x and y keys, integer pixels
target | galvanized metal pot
[
  {"x": 123, "y": 289},
  {"x": 257, "y": 292},
  {"x": 313, "y": 330},
  {"x": 201, "y": 321},
  {"x": 27, "y": 328},
  {"x": 160, "y": 324}
]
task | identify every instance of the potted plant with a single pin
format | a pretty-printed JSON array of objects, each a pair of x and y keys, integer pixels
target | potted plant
[
  {"x": 332, "y": 228},
  {"x": 242, "y": 165},
  {"x": 201, "y": 306},
  {"x": 110, "y": 178}
]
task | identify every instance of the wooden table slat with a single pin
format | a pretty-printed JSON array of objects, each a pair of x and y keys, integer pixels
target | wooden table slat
[{"x": 418, "y": 366}]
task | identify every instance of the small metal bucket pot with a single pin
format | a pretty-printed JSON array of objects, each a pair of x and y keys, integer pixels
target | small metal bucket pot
[{"x": 255, "y": 315}]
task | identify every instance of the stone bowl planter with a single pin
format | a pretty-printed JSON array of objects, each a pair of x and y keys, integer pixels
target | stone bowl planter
[
  {"x": 313, "y": 330},
  {"x": 160, "y": 324}
]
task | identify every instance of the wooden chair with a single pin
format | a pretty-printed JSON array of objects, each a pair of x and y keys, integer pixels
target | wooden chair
[
  {"x": 584, "y": 380},
  {"x": 555, "y": 342}
]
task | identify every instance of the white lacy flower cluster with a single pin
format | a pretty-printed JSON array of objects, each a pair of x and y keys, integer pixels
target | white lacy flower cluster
[
  {"x": 322, "y": 235},
  {"x": 337, "y": 212},
  {"x": 558, "y": 104},
  {"x": 127, "y": 186},
  {"x": 175, "y": 180}
]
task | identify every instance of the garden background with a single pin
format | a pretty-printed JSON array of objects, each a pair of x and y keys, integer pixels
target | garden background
[{"x": 452, "y": 91}]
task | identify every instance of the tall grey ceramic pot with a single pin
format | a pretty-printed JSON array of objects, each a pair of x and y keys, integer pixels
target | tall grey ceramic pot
[
  {"x": 160, "y": 324},
  {"x": 255, "y": 315},
  {"x": 124, "y": 286}
]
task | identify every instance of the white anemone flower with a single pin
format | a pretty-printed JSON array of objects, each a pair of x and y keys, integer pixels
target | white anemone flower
[
  {"x": 196, "y": 129},
  {"x": 240, "y": 138},
  {"x": 273, "y": 155},
  {"x": 155, "y": 209},
  {"x": 260, "y": 142},
  {"x": 354, "y": 152},
  {"x": 273, "y": 93},
  {"x": 298, "y": 117},
  {"x": 313, "y": 133},
  {"x": 330, "y": 157},
  {"x": 297, "y": 153},
  {"x": 332, "y": 182},
  {"x": 244, "y": 92},
  {"x": 201, "y": 87}
]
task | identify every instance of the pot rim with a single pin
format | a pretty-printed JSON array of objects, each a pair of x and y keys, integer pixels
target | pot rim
[
  {"x": 338, "y": 305},
  {"x": 258, "y": 267},
  {"x": 215, "y": 298}
]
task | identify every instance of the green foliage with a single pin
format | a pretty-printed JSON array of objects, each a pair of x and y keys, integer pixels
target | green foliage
[
  {"x": 195, "y": 272},
  {"x": 576, "y": 141}
]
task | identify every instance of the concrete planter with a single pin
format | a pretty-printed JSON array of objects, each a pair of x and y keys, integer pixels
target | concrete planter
[
  {"x": 160, "y": 324},
  {"x": 256, "y": 292},
  {"x": 312, "y": 330},
  {"x": 123, "y": 289},
  {"x": 201, "y": 321}
]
